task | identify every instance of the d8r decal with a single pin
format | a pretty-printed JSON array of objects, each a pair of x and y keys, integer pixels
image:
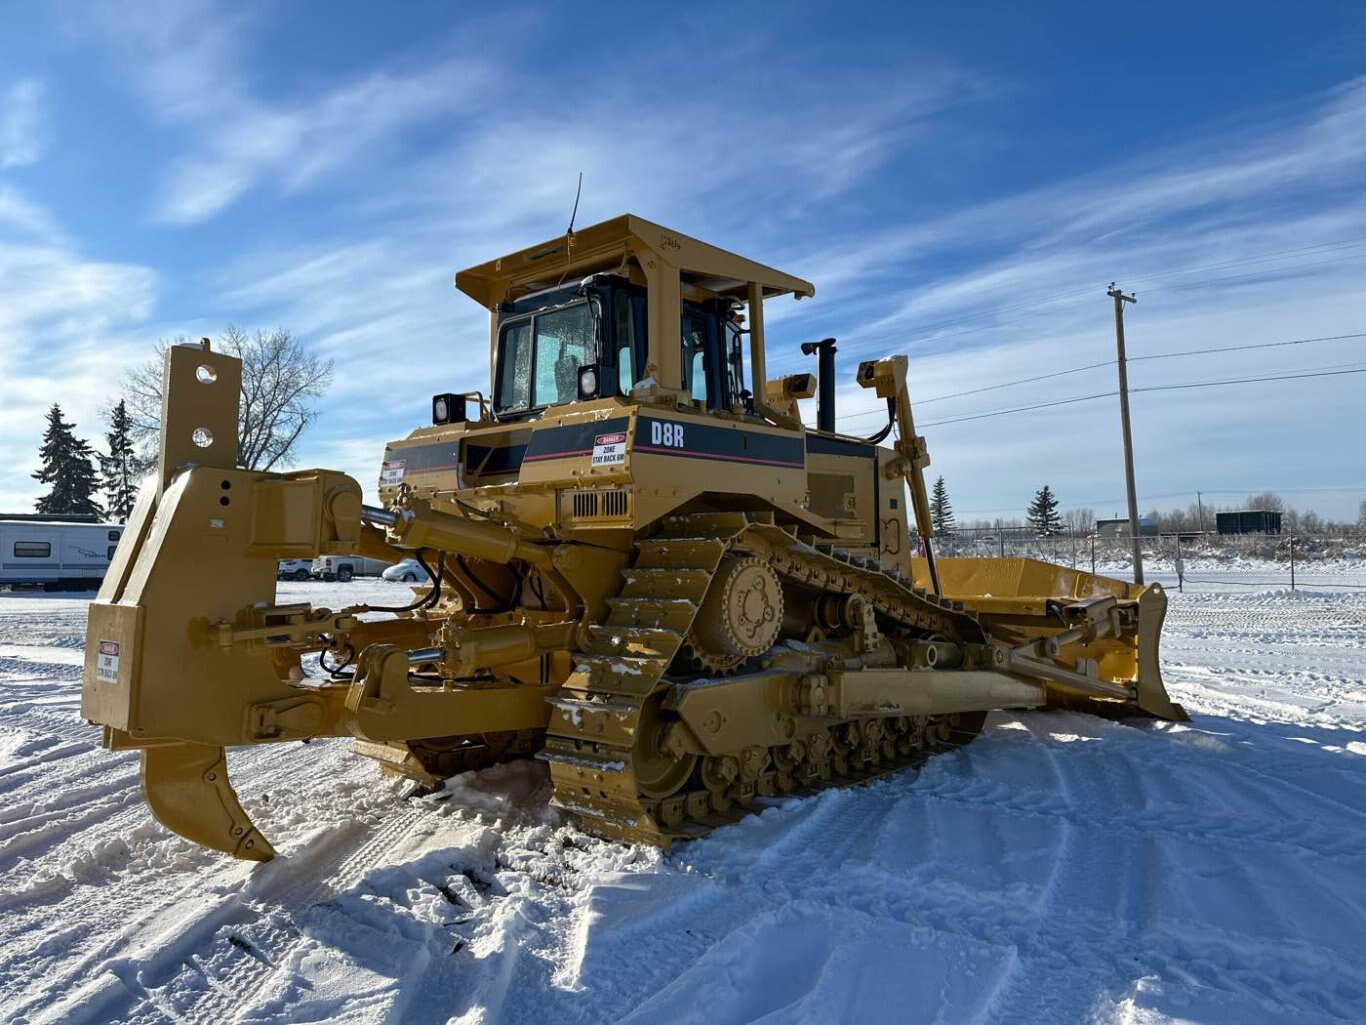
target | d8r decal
[{"x": 666, "y": 434}]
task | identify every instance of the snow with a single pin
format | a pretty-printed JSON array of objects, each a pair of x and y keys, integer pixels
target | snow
[{"x": 1061, "y": 868}]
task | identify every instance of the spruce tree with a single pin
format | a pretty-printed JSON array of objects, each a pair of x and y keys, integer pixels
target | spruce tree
[
  {"x": 68, "y": 468},
  {"x": 941, "y": 512},
  {"x": 121, "y": 469},
  {"x": 1043, "y": 513}
]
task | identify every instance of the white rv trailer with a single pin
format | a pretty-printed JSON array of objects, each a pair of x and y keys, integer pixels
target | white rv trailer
[{"x": 56, "y": 553}]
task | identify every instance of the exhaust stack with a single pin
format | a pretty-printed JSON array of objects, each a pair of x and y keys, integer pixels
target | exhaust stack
[{"x": 824, "y": 350}]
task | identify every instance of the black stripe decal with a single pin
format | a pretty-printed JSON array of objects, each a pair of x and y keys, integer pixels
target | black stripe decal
[
  {"x": 569, "y": 440},
  {"x": 487, "y": 461},
  {"x": 694, "y": 439},
  {"x": 424, "y": 458},
  {"x": 820, "y": 444}
]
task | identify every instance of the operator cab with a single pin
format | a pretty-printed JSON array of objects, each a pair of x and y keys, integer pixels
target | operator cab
[
  {"x": 625, "y": 309},
  {"x": 590, "y": 340}
]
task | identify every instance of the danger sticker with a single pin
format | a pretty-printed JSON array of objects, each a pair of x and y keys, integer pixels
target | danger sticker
[
  {"x": 609, "y": 450},
  {"x": 107, "y": 662},
  {"x": 391, "y": 473}
]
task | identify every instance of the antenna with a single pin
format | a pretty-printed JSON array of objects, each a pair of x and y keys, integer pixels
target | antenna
[{"x": 577, "y": 192}]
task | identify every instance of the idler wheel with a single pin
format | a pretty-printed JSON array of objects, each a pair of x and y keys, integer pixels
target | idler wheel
[{"x": 660, "y": 763}]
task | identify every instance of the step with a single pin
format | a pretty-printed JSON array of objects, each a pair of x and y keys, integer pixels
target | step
[
  {"x": 670, "y": 613},
  {"x": 661, "y": 582},
  {"x": 633, "y": 640},
  {"x": 680, "y": 554}
]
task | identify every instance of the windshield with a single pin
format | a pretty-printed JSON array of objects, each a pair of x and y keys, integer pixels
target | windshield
[{"x": 539, "y": 358}]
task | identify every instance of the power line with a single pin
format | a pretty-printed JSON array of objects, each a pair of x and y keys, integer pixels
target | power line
[
  {"x": 1095, "y": 366},
  {"x": 1240, "y": 348},
  {"x": 1322, "y": 372},
  {"x": 1023, "y": 409},
  {"x": 993, "y": 387},
  {"x": 1256, "y": 380}
]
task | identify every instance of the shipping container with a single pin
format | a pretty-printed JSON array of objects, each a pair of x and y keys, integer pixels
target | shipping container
[{"x": 1248, "y": 521}]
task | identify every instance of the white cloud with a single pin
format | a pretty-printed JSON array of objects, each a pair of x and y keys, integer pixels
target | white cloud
[
  {"x": 291, "y": 147},
  {"x": 190, "y": 61},
  {"x": 1268, "y": 188},
  {"x": 23, "y": 217},
  {"x": 23, "y": 123},
  {"x": 67, "y": 330}
]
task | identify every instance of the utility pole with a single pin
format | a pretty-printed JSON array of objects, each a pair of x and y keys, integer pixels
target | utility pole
[
  {"x": 1200, "y": 504},
  {"x": 1120, "y": 299}
]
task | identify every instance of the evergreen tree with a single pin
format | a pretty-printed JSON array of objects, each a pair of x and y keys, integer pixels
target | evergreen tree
[
  {"x": 68, "y": 467},
  {"x": 1043, "y": 513},
  {"x": 941, "y": 512},
  {"x": 122, "y": 468}
]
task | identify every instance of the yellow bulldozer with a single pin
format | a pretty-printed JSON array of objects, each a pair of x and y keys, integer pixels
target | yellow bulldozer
[{"x": 643, "y": 570}]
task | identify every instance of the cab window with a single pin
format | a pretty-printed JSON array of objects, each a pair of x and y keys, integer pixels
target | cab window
[
  {"x": 735, "y": 367},
  {"x": 625, "y": 342},
  {"x": 539, "y": 358},
  {"x": 696, "y": 362},
  {"x": 563, "y": 343},
  {"x": 514, "y": 367}
]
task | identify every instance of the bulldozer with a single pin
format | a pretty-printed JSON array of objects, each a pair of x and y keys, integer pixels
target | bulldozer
[{"x": 644, "y": 569}]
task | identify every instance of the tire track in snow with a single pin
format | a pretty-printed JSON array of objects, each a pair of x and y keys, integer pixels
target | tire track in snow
[{"x": 1226, "y": 867}]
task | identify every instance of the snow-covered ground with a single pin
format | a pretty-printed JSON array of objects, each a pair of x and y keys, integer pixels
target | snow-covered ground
[{"x": 1059, "y": 869}]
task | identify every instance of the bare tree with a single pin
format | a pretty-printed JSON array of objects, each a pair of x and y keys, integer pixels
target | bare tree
[
  {"x": 1266, "y": 501},
  {"x": 1080, "y": 522},
  {"x": 1361, "y": 514},
  {"x": 279, "y": 378}
]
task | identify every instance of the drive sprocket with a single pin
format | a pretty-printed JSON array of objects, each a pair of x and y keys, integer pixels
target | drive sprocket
[{"x": 739, "y": 618}]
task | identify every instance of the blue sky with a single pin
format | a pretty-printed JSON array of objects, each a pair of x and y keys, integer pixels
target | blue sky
[{"x": 960, "y": 183}]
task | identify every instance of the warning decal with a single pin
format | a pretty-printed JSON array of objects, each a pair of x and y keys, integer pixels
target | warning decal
[
  {"x": 391, "y": 473},
  {"x": 609, "y": 450},
  {"x": 107, "y": 662}
]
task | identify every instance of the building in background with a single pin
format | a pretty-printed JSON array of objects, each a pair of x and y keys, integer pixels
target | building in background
[{"x": 1248, "y": 521}]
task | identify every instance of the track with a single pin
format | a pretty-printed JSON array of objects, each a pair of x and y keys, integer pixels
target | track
[
  {"x": 1059, "y": 868},
  {"x": 610, "y": 702}
]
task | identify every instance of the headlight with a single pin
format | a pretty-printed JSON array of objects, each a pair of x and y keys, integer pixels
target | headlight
[
  {"x": 588, "y": 381},
  {"x": 448, "y": 408}
]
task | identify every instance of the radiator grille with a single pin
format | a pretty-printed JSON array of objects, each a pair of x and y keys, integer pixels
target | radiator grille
[{"x": 594, "y": 505}]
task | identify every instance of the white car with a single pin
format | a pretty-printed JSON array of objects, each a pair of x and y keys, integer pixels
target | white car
[
  {"x": 408, "y": 572},
  {"x": 294, "y": 569}
]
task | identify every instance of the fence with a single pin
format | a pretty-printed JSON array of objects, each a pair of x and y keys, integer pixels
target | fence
[{"x": 1188, "y": 562}]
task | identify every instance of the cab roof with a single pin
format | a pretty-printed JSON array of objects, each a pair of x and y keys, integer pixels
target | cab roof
[{"x": 607, "y": 246}]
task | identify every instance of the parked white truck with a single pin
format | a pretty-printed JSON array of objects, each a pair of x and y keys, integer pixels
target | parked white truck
[
  {"x": 56, "y": 554},
  {"x": 345, "y": 567}
]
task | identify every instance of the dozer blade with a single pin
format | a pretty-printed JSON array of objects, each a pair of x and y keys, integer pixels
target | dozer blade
[
  {"x": 1019, "y": 601},
  {"x": 187, "y": 787},
  {"x": 1152, "y": 692}
]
